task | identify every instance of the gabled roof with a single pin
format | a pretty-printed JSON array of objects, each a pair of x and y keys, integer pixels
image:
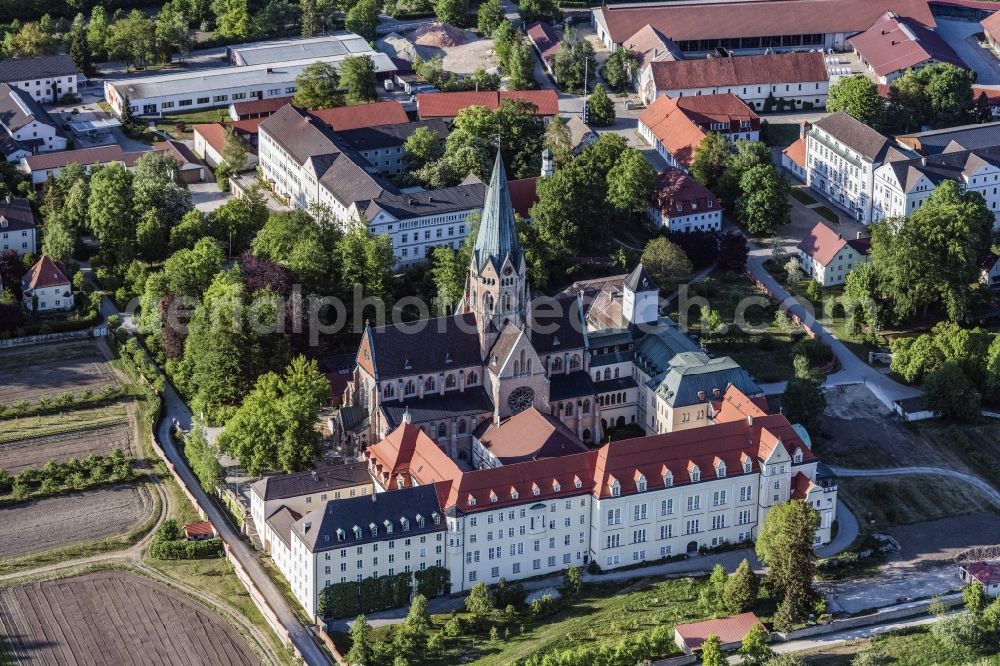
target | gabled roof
[
  {"x": 342, "y": 118},
  {"x": 523, "y": 195},
  {"x": 987, "y": 573},
  {"x": 806, "y": 67},
  {"x": 16, "y": 214},
  {"x": 425, "y": 346},
  {"x": 991, "y": 24},
  {"x": 802, "y": 485},
  {"x": 969, "y": 137},
  {"x": 530, "y": 435},
  {"x": 736, "y": 405},
  {"x": 680, "y": 123},
  {"x": 650, "y": 45},
  {"x": 676, "y": 194},
  {"x": 319, "y": 480},
  {"x": 681, "y": 21},
  {"x": 390, "y": 136},
  {"x": 544, "y": 40},
  {"x": 42, "y": 67},
  {"x": 823, "y": 243},
  {"x": 85, "y": 156},
  {"x": 895, "y": 43},
  {"x": 797, "y": 152},
  {"x": 199, "y": 528},
  {"x": 729, "y": 630},
  {"x": 448, "y": 104},
  {"x": 497, "y": 240},
  {"x": 281, "y": 522},
  {"x": 859, "y": 137},
  {"x": 18, "y": 108},
  {"x": 578, "y": 131},
  {"x": 264, "y": 107},
  {"x": 45, "y": 273}
]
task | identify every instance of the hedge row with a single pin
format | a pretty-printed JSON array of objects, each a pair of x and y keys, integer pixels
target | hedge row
[
  {"x": 371, "y": 594},
  {"x": 185, "y": 550},
  {"x": 44, "y": 406}
]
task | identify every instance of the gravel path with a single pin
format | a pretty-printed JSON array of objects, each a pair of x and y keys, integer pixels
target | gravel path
[{"x": 34, "y": 527}]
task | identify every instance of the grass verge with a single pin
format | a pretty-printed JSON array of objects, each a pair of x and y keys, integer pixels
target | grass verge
[
  {"x": 827, "y": 214},
  {"x": 28, "y": 427}
]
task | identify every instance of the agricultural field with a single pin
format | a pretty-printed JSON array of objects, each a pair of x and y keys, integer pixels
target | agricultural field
[
  {"x": 35, "y": 372},
  {"x": 35, "y": 452},
  {"x": 72, "y": 421},
  {"x": 114, "y": 617},
  {"x": 71, "y": 518}
]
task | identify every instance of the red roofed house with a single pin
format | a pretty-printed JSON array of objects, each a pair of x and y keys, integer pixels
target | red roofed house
[
  {"x": 800, "y": 80},
  {"x": 46, "y": 287},
  {"x": 992, "y": 97},
  {"x": 546, "y": 43},
  {"x": 827, "y": 257},
  {"x": 342, "y": 118},
  {"x": 199, "y": 531},
  {"x": 681, "y": 203},
  {"x": 448, "y": 104},
  {"x": 987, "y": 573},
  {"x": 730, "y": 630},
  {"x": 675, "y": 126},
  {"x": 17, "y": 226},
  {"x": 793, "y": 159},
  {"x": 210, "y": 140},
  {"x": 895, "y": 44},
  {"x": 991, "y": 29},
  {"x": 257, "y": 108},
  {"x": 528, "y": 435}
]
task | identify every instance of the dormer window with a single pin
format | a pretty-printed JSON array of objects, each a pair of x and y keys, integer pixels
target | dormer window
[
  {"x": 555, "y": 486},
  {"x": 436, "y": 517},
  {"x": 747, "y": 465},
  {"x": 797, "y": 456},
  {"x": 340, "y": 534},
  {"x": 668, "y": 479},
  {"x": 720, "y": 470},
  {"x": 493, "y": 497},
  {"x": 616, "y": 488},
  {"x": 400, "y": 481},
  {"x": 535, "y": 490},
  {"x": 513, "y": 493},
  {"x": 374, "y": 529},
  {"x": 695, "y": 473},
  {"x": 388, "y": 527},
  {"x": 357, "y": 532},
  {"x": 577, "y": 482},
  {"x": 472, "y": 501},
  {"x": 405, "y": 523},
  {"x": 640, "y": 483},
  {"x": 420, "y": 520}
]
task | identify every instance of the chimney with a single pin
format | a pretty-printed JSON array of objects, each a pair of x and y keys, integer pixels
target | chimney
[
  {"x": 269, "y": 70},
  {"x": 749, "y": 419}
]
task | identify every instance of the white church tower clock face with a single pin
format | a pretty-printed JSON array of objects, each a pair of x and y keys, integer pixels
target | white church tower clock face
[{"x": 520, "y": 399}]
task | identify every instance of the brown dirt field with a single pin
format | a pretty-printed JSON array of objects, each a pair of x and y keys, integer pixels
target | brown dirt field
[
  {"x": 114, "y": 617},
  {"x": 41, "y": 525},
  {"x": 35, "y": 372},
  {"x": 27, "y": 453},
  {"x": 891, "y": 501}
]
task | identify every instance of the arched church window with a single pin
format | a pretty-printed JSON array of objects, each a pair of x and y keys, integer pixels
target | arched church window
[
  {"x": 409, "y": 389},
  {"x": 517, "y": 367},
  {"x": 616, "y": 373},
  {"x": 574, "y": 362},
  {"x": 461, "y": 426},
  {"x": 472, "y": 379},
  {"x": 442, "y": 430},
  {"x": 389, "y": 391},
  {"x": 556, "y": 363},
  {"x": 569, "y": 409},
  {"x": 449, "y": 382},
  {"x": 607, "y": 373},
  {"x": 586, "y": 406},
  {"x": 429, "y": 384}
]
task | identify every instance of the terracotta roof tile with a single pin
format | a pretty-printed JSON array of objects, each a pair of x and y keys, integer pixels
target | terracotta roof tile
[
  {"x": 797, "y": 152},
  {"x": 681, "y": 123},
  {"x": 199, "y": 529},
  {"x": 363, "y": 115},
  {"x": 523, "y": 195},
  {"x": 45, "y": 273},
  {"x": 822, "y": 244},
  {"x": 896, "y": 43},
  {"x": 530, "y": 435},
  {"x": 448, "y": 104},
  {"x": 987, "y": 573},
  {"x": 676, "y": 193},
  {"x": 808, "y": 67},
  {"x": 728, "y": 629},
  {"x": 991, "y": 24}
]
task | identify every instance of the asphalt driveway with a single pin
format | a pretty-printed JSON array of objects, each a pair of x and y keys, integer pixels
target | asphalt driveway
[{"x": 960, "y": 35}]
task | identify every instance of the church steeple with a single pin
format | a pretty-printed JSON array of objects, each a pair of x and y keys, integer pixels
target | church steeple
[
  {"x": 497, "y": 288},
  {"x": 497, "y": 238}
]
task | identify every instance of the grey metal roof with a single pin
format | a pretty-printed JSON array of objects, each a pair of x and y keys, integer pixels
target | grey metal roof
[
  {"x": 859, "y": 137},
  {"x": 656, "y": 349},
  {"x": 283, "y": 486},
  {"x": 18, "y": 108},
  {"x": 572, "y": 385},
  {"x": 944, "y": 166},
  {"x": 17, "y": 214},
  {"x": 427, "y": 346},
  {"x": 497, "y": 240},
  {"x": 692, "y": 373},
  {"x": 390, "y": 136},
  {"x": 438, "y": 406},
  {"x": 340, "y": 44},
  {"x": 319, "y": 528},
  {"x": 640, "y": 280},
  {"x": 968, "y": 137},
  {"x": 42, "y": 67}
]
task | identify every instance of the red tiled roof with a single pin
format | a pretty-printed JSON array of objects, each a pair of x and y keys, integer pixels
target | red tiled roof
[
  {"x": 363, "y": 115},
  {"x": 523, "y": 195},
  {"x": 992, "y": 94},
  {"x": 991, "y": 24},
  {"x": 530, "y": 435},
  {"x": 676, "y": 193},
  {"x": 729, "y": 629},
  {"x": 802, "y": 486},
  {"x": 681, "y": 123},
  {"x": 797, "y": 152},
  {"x": 822, "y": 244},
  {"x": 896, "y": 43},
  {"x": 987, "y": 573},
  {"x": 775, "y": 68},
  {"x": 197, "y": 529},
  {"x": 215, "y": 133},
  {"x": 448, "y": 104},
  {"x": 45, "y": 273},
  {"x": 736, "y": 405},
  {"x": 543, "y": 39},
  {"x": 59, "y": 159},
  {"x": 260, "y": 106},
  {"x": 756, "y": 18}
]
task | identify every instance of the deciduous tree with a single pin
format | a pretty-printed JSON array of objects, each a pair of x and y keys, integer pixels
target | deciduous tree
[
  {"x": 710, "y": 159},
  {"x": 489, "y": 17},
  {"x": 711, "y": 652},
  {"x": 950, "y": 394},
  {"x": 600, "y": 108},
  {"x": 357, "y": 74},
  {"x": 740, "y": 590},
  {"x": 763, "y": 202},
  {"x": 362, "y": 19},
  {"x": 452, "y": 12},
  {"x": 785, "y": 545},
  {"x": 318, "y": 86},
  {"x": 666, "y": 262},
  {"x": 630, "y": 182},
  {"x": 858, "y": 96}
]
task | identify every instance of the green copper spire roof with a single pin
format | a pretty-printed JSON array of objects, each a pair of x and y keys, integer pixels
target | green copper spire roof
[{"x": 497, "y": 238}]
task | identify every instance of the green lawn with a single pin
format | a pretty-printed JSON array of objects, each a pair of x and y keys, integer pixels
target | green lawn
[
  {"x": 826, "y": 213},
  {"x": 168, "y": 123},
  {"x": 782, "y": 134},
  {"x": 605, "y": 614},
  {"x": 57, "y": 424},
  {"x": 800, "y": 194},
  {"x": 916, "y": 647},
  {"x": 761, "y": 348}
]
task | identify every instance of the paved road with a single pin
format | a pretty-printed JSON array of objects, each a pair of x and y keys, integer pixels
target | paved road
[
  {"x": 853, "y": 369},
  {"x": 982, "y": 485},
  {"x": 847, "y": 532},
  {"x": 960, "y": 35}
]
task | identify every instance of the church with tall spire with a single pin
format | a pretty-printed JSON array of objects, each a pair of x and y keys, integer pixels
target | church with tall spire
[{"x": 596, "y": 356}]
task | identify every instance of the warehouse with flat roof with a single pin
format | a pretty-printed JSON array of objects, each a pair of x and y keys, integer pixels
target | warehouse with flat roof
[{"x": 268, "y": 78}]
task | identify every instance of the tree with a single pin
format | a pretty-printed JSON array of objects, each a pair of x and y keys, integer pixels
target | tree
[
  {"x": 480, "y": 604},
  {"x": 79, "y": 50},
  {"x": 575, "y": 61},
  {"x": 858, "y": 96},
  {"x": 452, "y": 12},
  {"x": 620, "y": 69},
  {"x": 362, "y": 652},
  {"x": 983, "y": 112},
  {"x": 539, "y": 10},
  {"x": 97, "y": 31},
  {"x": 172, "y": 30},
  {"x": 318, "y": 86},
  {"x": 950, "y": 394},
  {"x": 974, "y": 596},
  {"x": 710, "y": 159},
  {"x": 357, "y": 74},
  {"x": 362, "y": 19},
  {"x": 132, "y": 39},
  {"x": 232, "y": 18},
  {"x": 448, "y": 270},
  {"x": 310, "y": 19},
  {"x": 938, "y": 95},
  {"x": 296, "y": 241},
  {"x": 803, "y": 402},
  {"x": 733, "y": 251},
  {"x": 573, "y": 580},
  {"x": 630, "y": 182},
  {"x": 366, "y": 259},
  {"x": 58, "y": 240},
  {"x": 111, "y": 212},
  {"x": 418, "y": 619},
  {"x": 203, "y": 460},
  {"x": 814, "y": 291},
  {"x": 747, "y": 155},
  {"x": 190, "y": 272},
  {"x": 504, "y": 39},
  {"x": 763, "y": 203},
  {"x": 472, "y": 143},
  {"x": 422, "y": 147},
  {"x": 754, "y": 648},
  {"x": 711, "y": 595},
  {"x": 785, "y": 545},
  {"x": 559, "y": 140},
  {"x": 520, "y": 67},
  {"x": 666, "y": 262},
  {"x": 489, "y": 17},
  {"x": 711, "y": 652},
  {"x": 740, "y": 590},
  {"x": 600, "y": 108}
]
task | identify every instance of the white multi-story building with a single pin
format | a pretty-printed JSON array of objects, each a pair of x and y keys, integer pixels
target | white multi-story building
[
  {"x": 680, "y": 203},
  {"x": 26, "y": 128},
  {"x": 309, "y": 163},
  {"x": 46, "y": 288},
  {"x": 842, "y": 155},
  {"x": 902, "y": 186},
  {"x": 17, "y": 226},
  {"x": 45, "y": 78},
  {"x": 827, "y": 257}
]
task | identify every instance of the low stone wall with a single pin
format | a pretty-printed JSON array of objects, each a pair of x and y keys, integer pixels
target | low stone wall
[{"x": 42, "y": 338}]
